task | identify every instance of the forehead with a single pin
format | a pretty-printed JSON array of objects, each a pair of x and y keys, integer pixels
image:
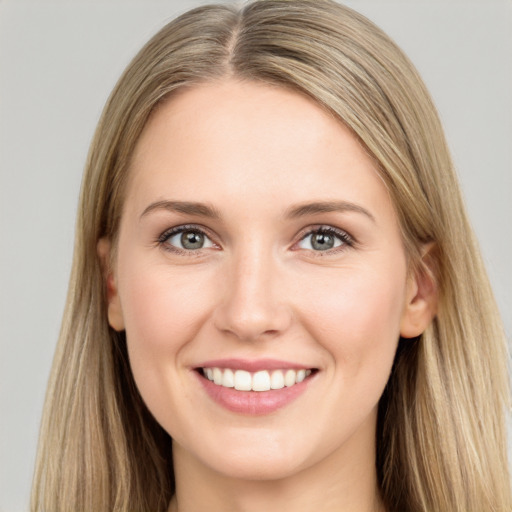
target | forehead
[{"x": 244, "y": 139}]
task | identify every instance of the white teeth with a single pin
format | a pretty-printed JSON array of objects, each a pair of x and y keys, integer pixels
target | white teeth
[
  {"x": 243, "y": 380},
  {"x": 262, "y": 380},
  {"x": 228, "y": 379},
  {"x": 277, "y": 380},
  {"x": 217, "y": 376},
  {"x": 301, "y": 375},
  {"x": 290, "y": 378}
]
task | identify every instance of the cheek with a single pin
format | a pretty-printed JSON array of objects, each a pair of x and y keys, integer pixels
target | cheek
[
  {"x": 356, "y": 317},
  {"x": 160, "y": 306},
  {"x": 163, "y": 312}
]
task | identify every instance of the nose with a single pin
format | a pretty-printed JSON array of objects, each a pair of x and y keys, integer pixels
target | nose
[{"x": 254, "y": 302}]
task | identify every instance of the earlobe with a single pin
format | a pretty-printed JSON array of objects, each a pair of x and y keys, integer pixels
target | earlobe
[
  {"x": 422, "y": 296},
  {"x": 114, "y": 310}
]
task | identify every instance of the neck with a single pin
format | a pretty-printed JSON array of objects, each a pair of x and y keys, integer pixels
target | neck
[{"x": 342, "y": 482}]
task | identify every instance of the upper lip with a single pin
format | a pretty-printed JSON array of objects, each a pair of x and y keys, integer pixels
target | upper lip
[{"x": 253, "y": 365}]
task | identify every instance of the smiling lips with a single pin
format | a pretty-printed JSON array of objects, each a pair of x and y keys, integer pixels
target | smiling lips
[
  {"x": 263, "y": 380},
  {"x": 254, "y": 388}
]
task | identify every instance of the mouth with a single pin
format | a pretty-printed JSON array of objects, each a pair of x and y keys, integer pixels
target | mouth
[
  {"x": 259, "y": 381},
  {"x": 254, "y": 387}
]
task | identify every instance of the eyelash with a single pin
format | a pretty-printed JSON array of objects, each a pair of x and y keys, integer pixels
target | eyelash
[
  {"x": 169, "y": 233},
  {"x": 345, "y": 239}
]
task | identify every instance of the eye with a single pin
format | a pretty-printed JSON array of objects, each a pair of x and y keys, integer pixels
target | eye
[
  {"x": 325, "y": 239},
  {"x": 185, "y": 238}
]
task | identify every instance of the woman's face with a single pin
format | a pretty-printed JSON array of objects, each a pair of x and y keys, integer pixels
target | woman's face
[{"x": 258, "y": 247}]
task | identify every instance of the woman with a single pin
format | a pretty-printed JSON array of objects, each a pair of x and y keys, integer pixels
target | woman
[{"x": 274, "y": 286}]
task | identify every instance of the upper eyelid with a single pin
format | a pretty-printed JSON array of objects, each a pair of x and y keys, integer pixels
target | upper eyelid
[
  {"x": 185, "y": 227},
  {"x": 348, "y": 241},
  {"x": 163, "y": 239},
  {"x": 324, "y": 227},
  {"x": 303, "y": 233}
]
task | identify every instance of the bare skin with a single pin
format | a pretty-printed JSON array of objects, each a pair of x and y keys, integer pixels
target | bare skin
[{"x": 256, "y": 228}]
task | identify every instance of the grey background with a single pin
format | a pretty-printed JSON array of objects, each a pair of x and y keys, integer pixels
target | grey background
[{"x": 58, "y": 63}]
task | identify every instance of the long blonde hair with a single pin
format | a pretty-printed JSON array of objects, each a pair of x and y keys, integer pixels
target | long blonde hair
[{"x": 441, "y": 442}]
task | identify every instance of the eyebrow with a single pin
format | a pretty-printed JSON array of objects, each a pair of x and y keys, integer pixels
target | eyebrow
[
  {"x": 302, "y": 210},
  {"x": 186, "y": 207},
  {"x": 326, "y": 207}
]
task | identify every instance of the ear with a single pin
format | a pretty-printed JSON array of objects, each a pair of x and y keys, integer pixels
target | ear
[
  {"x": 114, "y": 311},
  {"x": 422, "y": 295}
]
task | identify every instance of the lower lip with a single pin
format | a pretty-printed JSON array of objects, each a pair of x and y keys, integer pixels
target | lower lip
[{"x": 254, "y": 403}]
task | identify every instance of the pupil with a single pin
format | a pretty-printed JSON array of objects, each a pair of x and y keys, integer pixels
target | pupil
[
  {"x": 192, "y": 240},
  {"x": 322, "y": 241}
]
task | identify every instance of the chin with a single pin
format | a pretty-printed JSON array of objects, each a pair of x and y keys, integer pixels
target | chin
[
  {"x": 256, "y": 457},
  {"x": 268, "y": 469}
]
